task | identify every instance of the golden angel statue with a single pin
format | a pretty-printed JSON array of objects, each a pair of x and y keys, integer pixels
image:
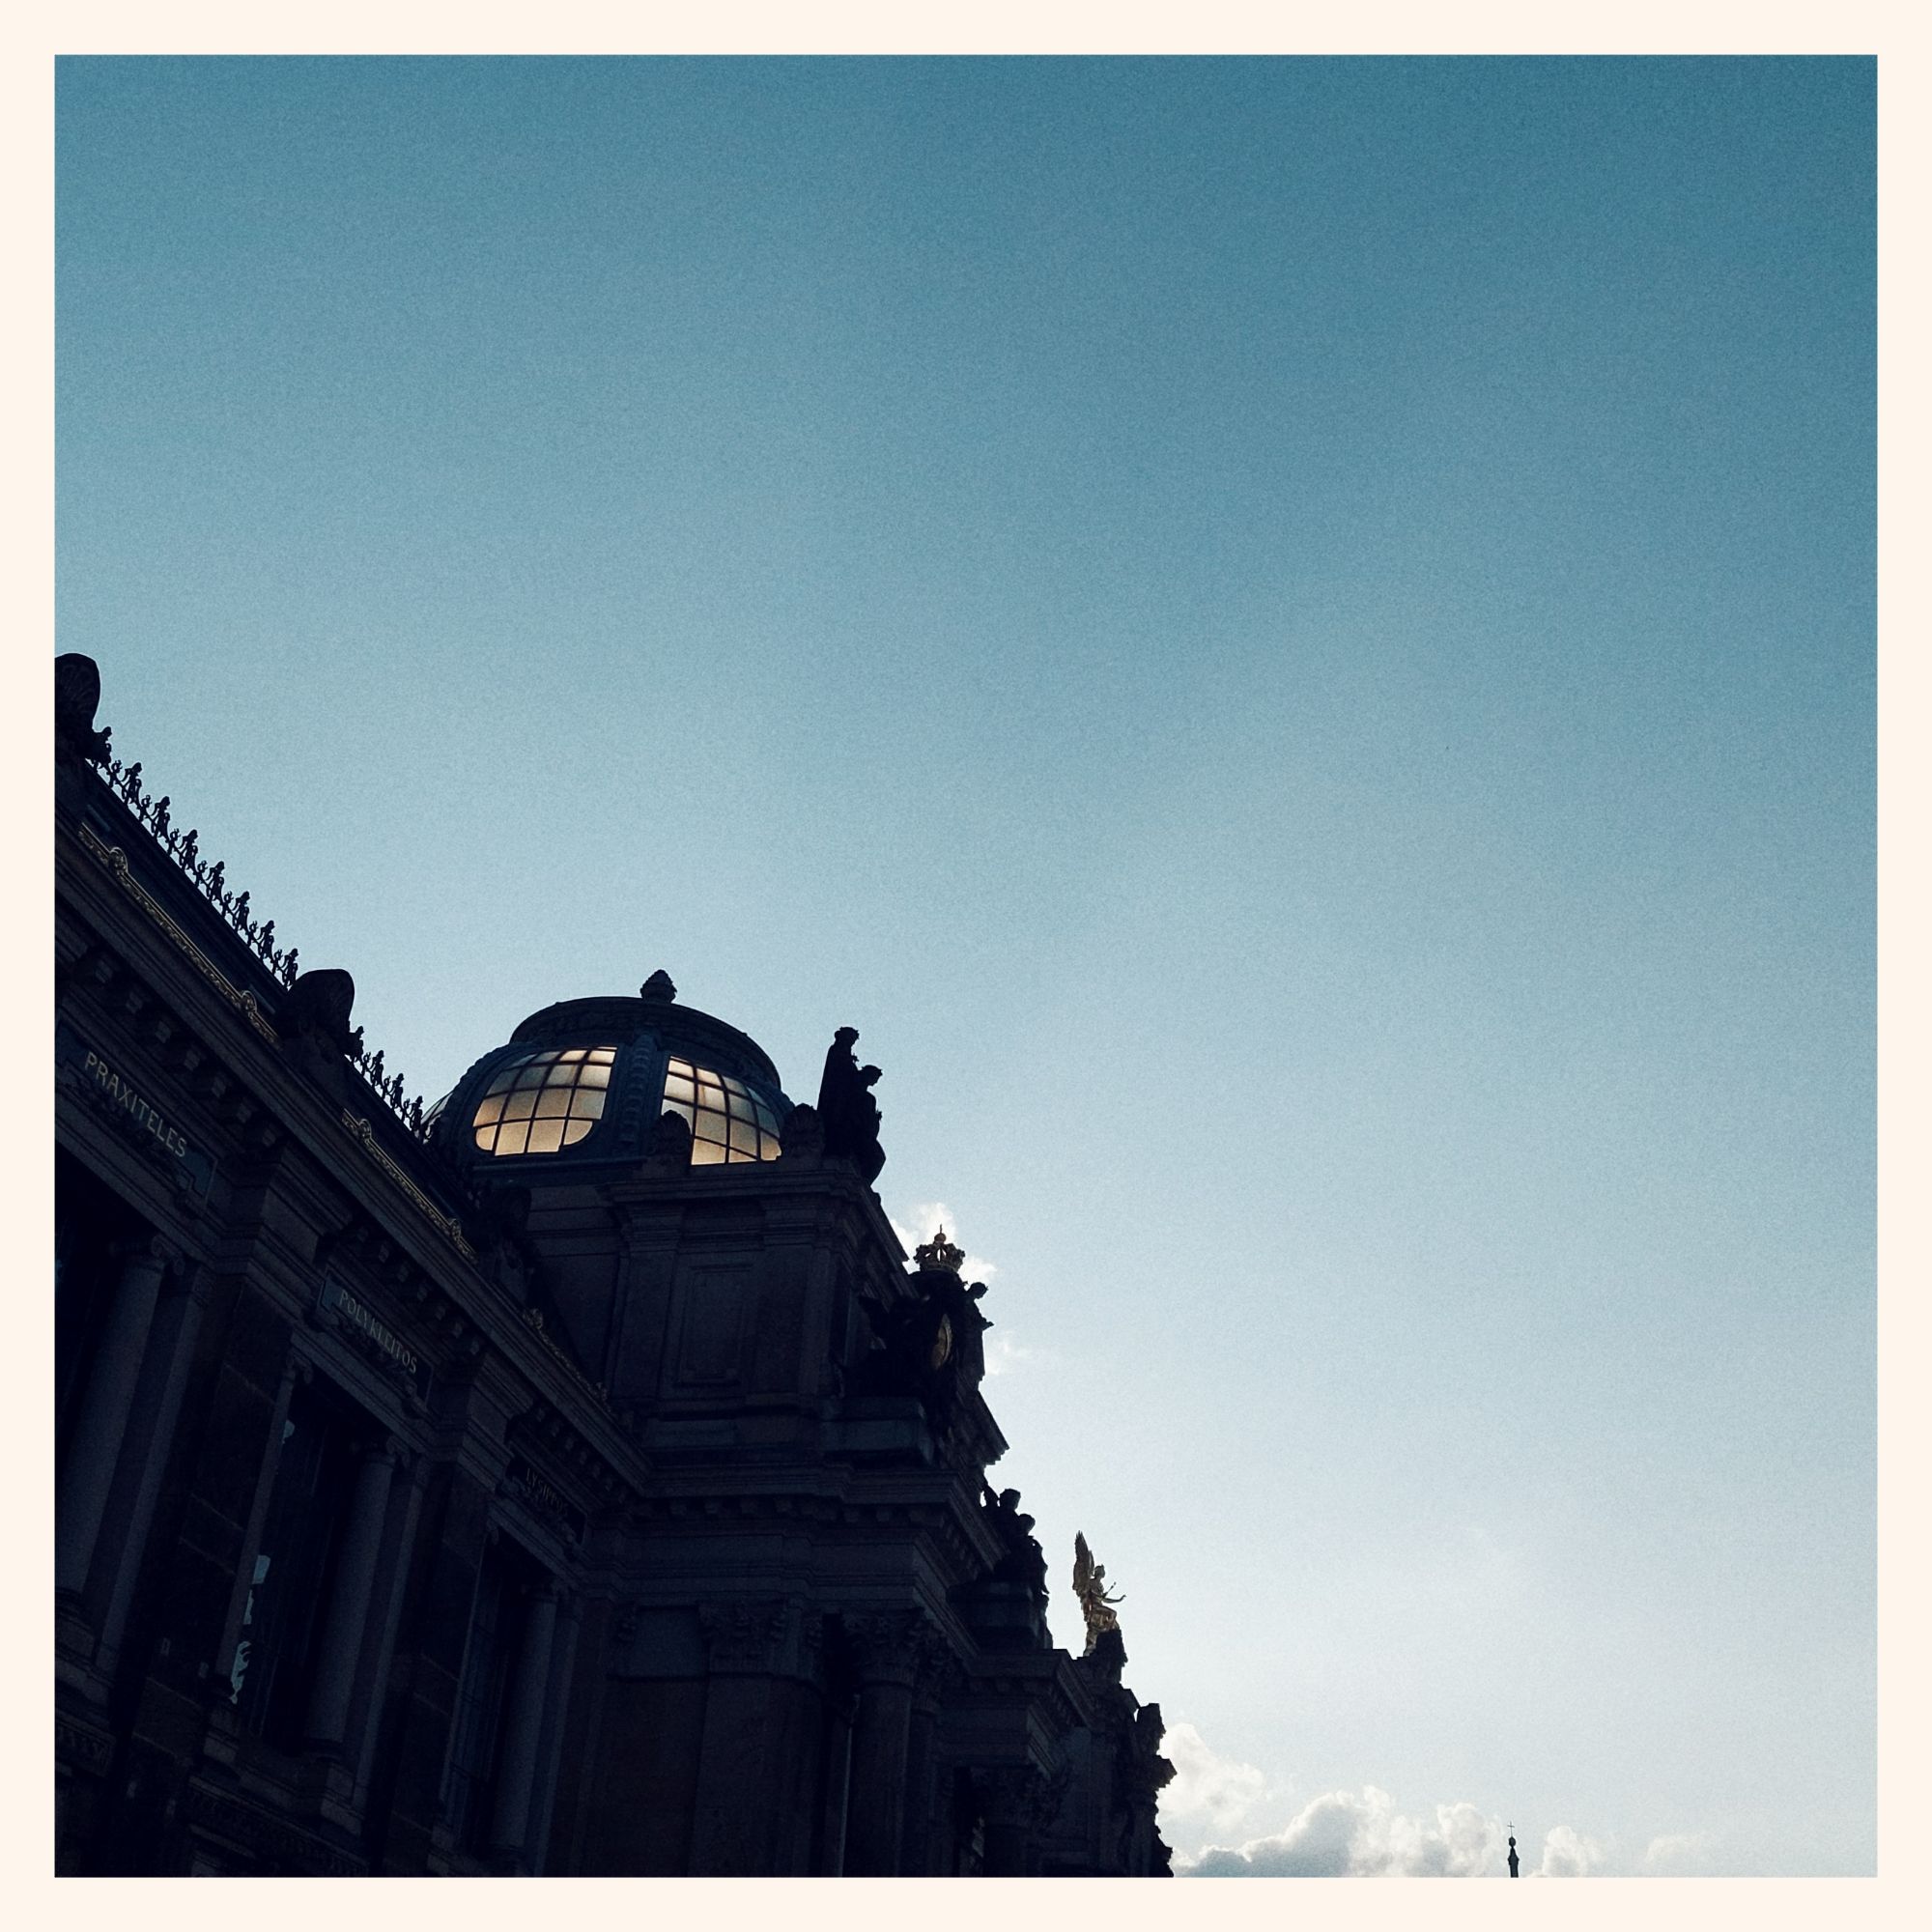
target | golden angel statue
[{"x": 1090, "y": 1585}]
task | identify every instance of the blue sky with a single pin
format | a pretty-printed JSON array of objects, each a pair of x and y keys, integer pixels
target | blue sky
[{"x": 1292, "y": 641}]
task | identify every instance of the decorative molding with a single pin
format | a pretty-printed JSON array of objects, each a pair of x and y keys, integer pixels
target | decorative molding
[
  {"x": 116, "y": 862},
  {"x": 423, "y": 1205},
  {"x": 533, "y": 1320}
]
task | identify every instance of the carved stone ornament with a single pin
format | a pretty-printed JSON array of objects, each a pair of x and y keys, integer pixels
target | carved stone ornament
[
  {"x": 897, "y": 1645},
  {"x": 804, "y": 1136},
  {"x": 671, "y": 1141},
  {"x": 751, "y": 1635},
  {"x": 658, "y": 989},
  {"x": 1023, "y": 1794},
  {"x": 1140, "y": 1772}
]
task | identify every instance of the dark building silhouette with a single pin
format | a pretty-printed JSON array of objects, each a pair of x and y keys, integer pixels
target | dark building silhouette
[{"x": 572, "y": 1479}]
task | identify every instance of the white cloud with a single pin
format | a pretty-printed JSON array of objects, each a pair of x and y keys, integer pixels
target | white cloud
[
  {"x": 1349, "y": 1834},
  {"x": 1209, "y": 1792},
  {"x": 1565, "y": 1855},
  {"x": 922, "y": 1220},
  {"x": 1342, "y": 1834},
  {"x": 1003, "y": 1353},
  {"x": 1682, "y": 1853}
]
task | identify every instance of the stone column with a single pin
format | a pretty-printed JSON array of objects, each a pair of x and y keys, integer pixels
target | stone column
[
  {"x": 938, "y": 1671},
  {"x": 517, "y": 1775},
  {"x": 563, "y": 1659},
  {"x": 836, "y": 1761},
  {"x": 759, "y": 1744},
  {"x": 886, "y": 1652},
  {"x": 399, "y": 1536},
  {"x": 346, "y": 1619},
  {"x": 145, "y": 1448},
  {"x": 96, "y": 1447}
]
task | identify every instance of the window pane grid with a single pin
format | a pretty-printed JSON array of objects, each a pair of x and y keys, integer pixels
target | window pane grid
[
  {"x": 542, "y": 1101},
  {"x": 729, "y": 1122}
]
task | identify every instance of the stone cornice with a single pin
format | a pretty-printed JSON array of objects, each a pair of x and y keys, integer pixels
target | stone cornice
[
  {"x": 365, "y": 1135},
  {"x": 115, "y": 860}
]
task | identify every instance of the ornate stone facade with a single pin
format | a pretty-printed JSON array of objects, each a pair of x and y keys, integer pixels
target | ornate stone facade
[{"x": 619, "y": 1506}]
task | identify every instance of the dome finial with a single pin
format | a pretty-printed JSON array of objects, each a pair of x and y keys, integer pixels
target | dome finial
[{"x": 658, "y": 988}]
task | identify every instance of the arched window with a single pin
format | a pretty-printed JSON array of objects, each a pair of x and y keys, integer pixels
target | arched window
[
  {"x": 728, "y": 1120},
  {"x": 542, "y": 1102}
]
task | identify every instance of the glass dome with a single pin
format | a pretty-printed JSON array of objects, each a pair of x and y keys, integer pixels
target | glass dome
[{"x": 584, "y": 1084}]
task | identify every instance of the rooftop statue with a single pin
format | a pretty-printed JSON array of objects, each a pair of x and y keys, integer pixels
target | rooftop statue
[
  {"x": 77, "y": 699},
  {"x": 1022, "y": 1560},
  {"x": 1090, "y": 1585},
  {"x": 847, "y": 1107}
]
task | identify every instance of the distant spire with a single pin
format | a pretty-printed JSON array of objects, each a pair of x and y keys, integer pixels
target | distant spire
[{"x": 1513, "y": 1859}]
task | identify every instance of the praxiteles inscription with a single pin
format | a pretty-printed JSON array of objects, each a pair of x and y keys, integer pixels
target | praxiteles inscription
[{"x": 132, "y": 1112}]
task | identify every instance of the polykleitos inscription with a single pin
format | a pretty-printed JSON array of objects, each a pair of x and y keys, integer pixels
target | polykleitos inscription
[{"x": 380, "y": 1338}]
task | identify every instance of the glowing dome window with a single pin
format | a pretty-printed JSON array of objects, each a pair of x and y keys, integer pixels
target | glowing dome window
[
  {"x": 728, "y": 1120},
  {"x": 542, "y": 1102}
]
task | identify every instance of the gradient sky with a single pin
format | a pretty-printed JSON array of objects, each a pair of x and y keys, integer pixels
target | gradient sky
[{"x": 1292, "y": 643}]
